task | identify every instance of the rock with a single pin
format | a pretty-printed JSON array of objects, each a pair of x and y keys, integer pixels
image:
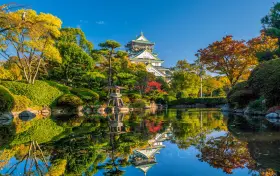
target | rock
[
  {"x": 225, "y": 108},
  {"x": 239, "y": 111},
  {"x": 278, "y": 112},
  {"x": 247, "y": 111},
  {"x": 26, "y": 116},
  {"x": 272, "y": 115},
  {"x": 6, "y": 119},
  {"x": 45, "y": 112}
]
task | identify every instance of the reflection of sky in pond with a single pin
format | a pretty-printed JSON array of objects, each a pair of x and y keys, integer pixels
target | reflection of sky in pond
[
  {"x": 20, "y": 167},
  {"x": 174, "y": 142},
  {"x": 174, "y": 161}
]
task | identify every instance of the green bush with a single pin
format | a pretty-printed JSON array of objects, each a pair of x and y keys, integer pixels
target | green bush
[
  {"x": 240, "y": 95},
  {"x": 169, "y": 98},
  {"x": 208, "y": 101},
  {"x": 265, "y": 81},
  {"x": 134, "y": 96},
  {"x": 61, "y": 87},
  {"x": 125, "y": 99},
  {"x": 257, "y": 105},
  {"x": 41, "y": 93},
  {"x": 21, "y": 103},
  {"x": 6, "y": 99},
  {"x": 69, "y": 100},
  {"x": 139, "y": 103},
  {"x": 86, "y": 95}
]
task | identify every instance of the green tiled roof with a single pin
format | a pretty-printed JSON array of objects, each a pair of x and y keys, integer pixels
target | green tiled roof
[
  {"x": 142, "y": 41},
  {"x": 140, "y": 52},
  {"x": 147, "y": 60}
]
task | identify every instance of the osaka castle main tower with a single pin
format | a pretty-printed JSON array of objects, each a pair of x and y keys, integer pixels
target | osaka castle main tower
[{"x": 142, "y": 50}]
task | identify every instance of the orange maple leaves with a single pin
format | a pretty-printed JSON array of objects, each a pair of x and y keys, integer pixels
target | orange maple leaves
[{"x": 235, "y": 58}]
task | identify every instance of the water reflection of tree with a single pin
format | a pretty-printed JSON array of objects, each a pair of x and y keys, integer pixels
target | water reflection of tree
[
  {"x": 263, "y": 143},
  {"x": 193, "y": 126},
  {"x": 226, "y": 153},
  {"x": 30, "y": 155}
]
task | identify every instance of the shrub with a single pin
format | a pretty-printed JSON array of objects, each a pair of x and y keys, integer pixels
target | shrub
[
  {"x": 86, "y": 95},
  {"x": 69, "y": 100},
  {"x": 21, "y": 103},
  {"x": 257, "y": 105},
  {"x": 240, "y": 95},
  {"x": 6, "y": 99},
  {"x": 139, "y": 103},
  {"x": 169, "y": 98},
  {"x": 41, "y": 93},
  {"x": 61, "y": 87},
  {"x": 208, "y": 101},
  {"x": 134, "y": 96},
  {"x": 265, "y": 81},
  {"x": 125, "y": 99}
]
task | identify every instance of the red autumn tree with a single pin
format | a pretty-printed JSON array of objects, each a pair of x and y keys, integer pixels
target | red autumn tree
[
  {"x": 153, "y": 85},
  {"x": 234, "y": 58}
]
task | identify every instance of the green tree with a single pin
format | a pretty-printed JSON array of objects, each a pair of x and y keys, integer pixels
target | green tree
[
  {"x": 185, "y": 81},
  {"x": 75, "y": 51},
  {"x": 109, "y": 51}
]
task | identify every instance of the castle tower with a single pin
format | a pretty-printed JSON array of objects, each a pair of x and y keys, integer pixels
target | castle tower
[{"x": 141, "y": 50}]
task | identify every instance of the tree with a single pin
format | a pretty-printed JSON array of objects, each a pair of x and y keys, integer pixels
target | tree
[
  {"x": 185, "y": 80},
  {"x": 271, "y": 22},
  {"x": 32, "y": 42},
  {"x": 75, "y": 51},
  {"x": 210, "y": 84},
  {"x": 109, "y": 48},
  {"x": 233, "y": 58},
  {"x": 227, "y": 153}
]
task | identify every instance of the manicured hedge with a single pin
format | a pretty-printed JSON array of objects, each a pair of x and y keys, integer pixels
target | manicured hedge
[
  {"x": 41, "y": 93},
  {"x": 208, "y": 101},
  {"x": 61, "y": 87},
  {"x": 86, "y": 95},
  {"x": 265, "y": 81},
  {"x": 69, "y": 100},
  {"x": 6, "y": 100}
]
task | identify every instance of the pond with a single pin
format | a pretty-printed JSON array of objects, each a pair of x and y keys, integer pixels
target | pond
[{"x": 192, "y": 142}]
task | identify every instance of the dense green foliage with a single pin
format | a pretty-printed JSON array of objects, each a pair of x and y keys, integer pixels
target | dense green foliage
[
  {"x": 139, "y": 103},
  {"x": 40, "y": 93},
  {"x": 240, "y": 95},
  {"x": 265, "y": 81},
  {"x": 21, "y": 103},
  {"x": 86, "y": 95},
  {"x": 40, "y": 131},
  {"x": 6, "y": 99},
  {"x": 257, "y": 105},
  {"x": 69, "y": 100}
]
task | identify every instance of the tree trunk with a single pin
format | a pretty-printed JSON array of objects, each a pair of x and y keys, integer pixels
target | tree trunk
[{"x": 37, "y": 69}]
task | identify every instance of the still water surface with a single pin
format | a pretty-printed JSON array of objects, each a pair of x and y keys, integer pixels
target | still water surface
[{"x": 194, "y": 142}]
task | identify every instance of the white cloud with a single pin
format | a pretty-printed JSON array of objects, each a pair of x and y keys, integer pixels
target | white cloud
[
  {"x": 84, "y": 21},
  {"x": 100, "y": 22}
]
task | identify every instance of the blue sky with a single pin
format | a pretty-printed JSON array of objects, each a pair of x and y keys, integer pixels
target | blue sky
[{"x": 178, "y": 27}]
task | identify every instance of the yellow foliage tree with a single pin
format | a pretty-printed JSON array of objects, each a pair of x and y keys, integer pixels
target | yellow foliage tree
[{"x": 32, "y": 37}]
